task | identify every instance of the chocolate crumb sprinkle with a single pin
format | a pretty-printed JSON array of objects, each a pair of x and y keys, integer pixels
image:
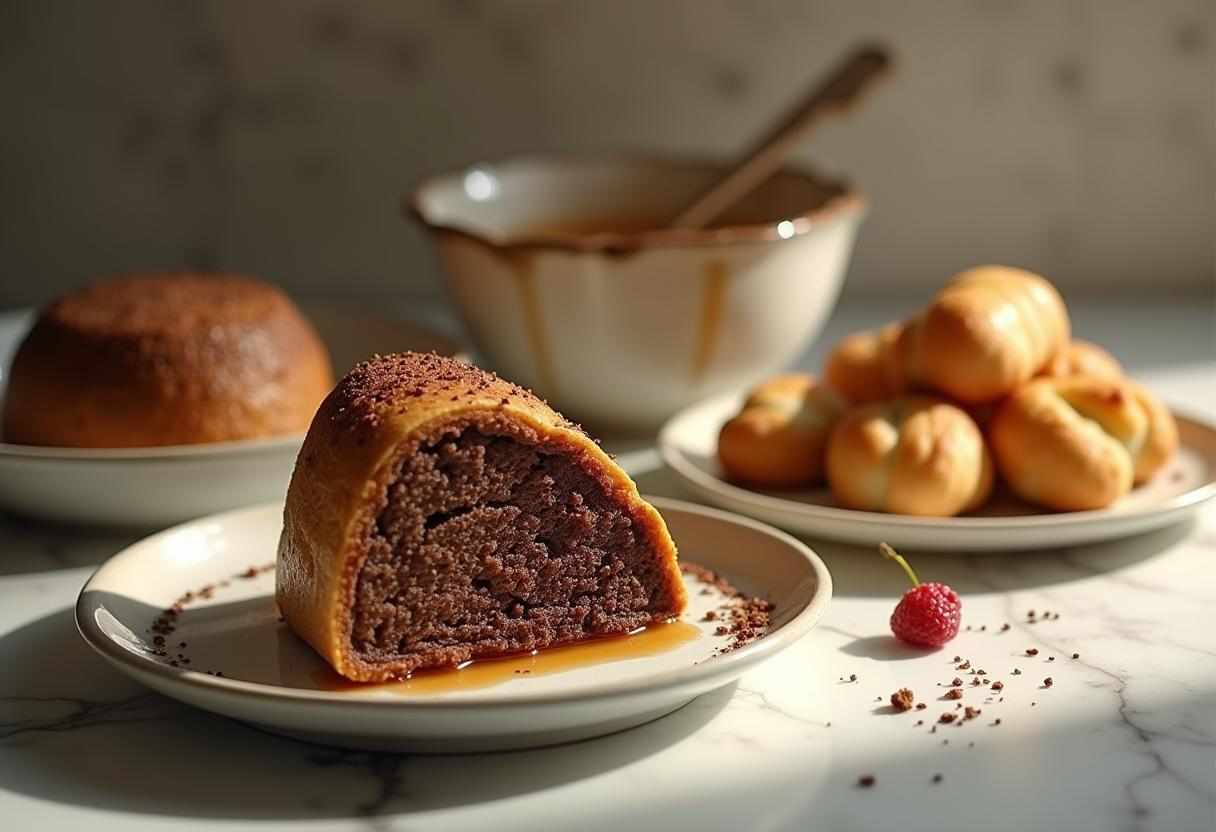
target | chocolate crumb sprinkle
[
  {"x": 1048, "y": 682},
  {"x": 953, "y": 693},
  {"x": 902, "y": 700},
  {"x": 937, "y": 778},
  {"x": 1032, "y": 651},
  {"x": 866, "y": 781}
]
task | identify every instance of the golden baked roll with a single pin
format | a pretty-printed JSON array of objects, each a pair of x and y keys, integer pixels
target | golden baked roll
[
  {"x": 169, "y": 359},
  {"x": 1082, "y": 358},
  {"x": 438, "y": 514},
  {"x": 990, "y": 330},
  {"x": 1080, "y": 442},
  {"x": 777, "y": 440},
  {"x": 863, "y": 367},
  {"x": 912, "y": 455}
]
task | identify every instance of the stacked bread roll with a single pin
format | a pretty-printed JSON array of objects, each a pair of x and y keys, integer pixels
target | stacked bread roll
[{"x": 920, "y": 416}]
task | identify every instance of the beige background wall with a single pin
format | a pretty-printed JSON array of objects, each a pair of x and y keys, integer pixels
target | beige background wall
[{"x": 1073, "y": 136}]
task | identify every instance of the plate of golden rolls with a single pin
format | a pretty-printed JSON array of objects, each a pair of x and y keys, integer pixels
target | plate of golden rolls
[{"x": 979, "y": 423}]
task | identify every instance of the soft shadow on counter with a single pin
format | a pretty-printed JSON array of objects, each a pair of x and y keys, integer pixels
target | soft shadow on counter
[
  {"x": 859, "y": 571},
  {"x": 75, "y": 731},
  {"x": 33, "y": 545}
]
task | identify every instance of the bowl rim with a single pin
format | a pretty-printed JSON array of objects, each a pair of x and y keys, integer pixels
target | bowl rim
[{"x": 847, "y": 202}]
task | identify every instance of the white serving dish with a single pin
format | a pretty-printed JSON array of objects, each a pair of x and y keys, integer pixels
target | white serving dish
[
  {"x": 688, "y": 445},
  {"x": 147, "y": 487},
  {"x": 274, "y": 680}
]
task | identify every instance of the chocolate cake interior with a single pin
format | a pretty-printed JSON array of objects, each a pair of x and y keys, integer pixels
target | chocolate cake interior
[{"x": 491, "y": 541}]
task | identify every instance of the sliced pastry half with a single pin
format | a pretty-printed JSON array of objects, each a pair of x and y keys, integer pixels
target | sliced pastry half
[{"x": 438, "y": 513}]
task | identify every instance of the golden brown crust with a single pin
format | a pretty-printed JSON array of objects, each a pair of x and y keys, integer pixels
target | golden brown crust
[
  {"x": 1082, "y": 358},
  {"x": 166, "y": 360},
  {"x": 864, "y": 366},
  {"x": 1080, "y": 442},
  {"x": 988, "y": 331},
  {"x": 379, "y": 412},
  {"x": 778, "y": 439},
  {"x": 1161, "y": 441},
  {"x": 914, "y": 455}
]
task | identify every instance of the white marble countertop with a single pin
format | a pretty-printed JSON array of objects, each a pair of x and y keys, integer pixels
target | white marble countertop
[{"x": 1125, "y": 737}]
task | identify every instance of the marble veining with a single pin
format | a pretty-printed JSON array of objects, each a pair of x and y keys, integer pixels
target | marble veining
[{"x": 1124, "y": 738}]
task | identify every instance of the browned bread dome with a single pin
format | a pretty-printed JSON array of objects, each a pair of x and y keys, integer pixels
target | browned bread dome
[
  {"x": 438, "y": 513},
  {"x": 166, "y": 359}
]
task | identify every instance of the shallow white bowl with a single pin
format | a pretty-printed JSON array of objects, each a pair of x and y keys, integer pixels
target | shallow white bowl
[
  {"x": 272, "y": 679},
  {"x": 688, "y": 445},
  {"x": 147, "y": 487},
  {"x": 623, "y": 329}
]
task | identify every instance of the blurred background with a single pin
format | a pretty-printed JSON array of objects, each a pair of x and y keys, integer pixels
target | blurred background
[{"x": 1073, "y": 137}]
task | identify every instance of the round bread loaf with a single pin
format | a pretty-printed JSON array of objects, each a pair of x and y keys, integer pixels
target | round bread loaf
[
  {"x": 438, "y": 513},
  {"x": 912, "y": 455},
  {"x": 1082, "y": 358},
  {"x": 168, "y": 359},
  {"x": 777, "y": 440},
  {"x": 864, "y": 366},
  {"x": 989, "y": 331},
  {"x": 1080, "y": 442}
]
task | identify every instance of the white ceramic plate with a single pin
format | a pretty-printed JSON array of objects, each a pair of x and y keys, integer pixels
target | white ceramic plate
[
  {"x": 688, "y": 445},
  {"x": 273, "y": 680},
  {"x": 158, "y": 486}
]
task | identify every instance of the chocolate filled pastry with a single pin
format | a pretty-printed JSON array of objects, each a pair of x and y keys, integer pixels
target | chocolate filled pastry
[
  {"x": 438, "y": 514},
  {"x": 864, "y": 367},
  {"x": 1082, "y": 358},
  {"x": 1080, "y": 442},
  {"x": 990, "y": 330},
  {"x": 167, "y": 359},
  {"x": 777, "y": 440},
  {"x": 912, "y": 455}
]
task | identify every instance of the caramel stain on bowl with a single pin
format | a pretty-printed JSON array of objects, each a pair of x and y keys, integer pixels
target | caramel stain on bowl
[
  {"x": 484, "y": 673},
  {"x": 713, "y": 302},
  {"x": 522, "y": 263}
]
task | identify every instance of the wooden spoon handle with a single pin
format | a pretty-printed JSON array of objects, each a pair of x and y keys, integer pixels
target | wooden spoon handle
[{"x": 841, "y": 91}]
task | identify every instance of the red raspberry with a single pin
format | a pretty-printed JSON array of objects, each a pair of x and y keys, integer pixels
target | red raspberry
[{"x": 929, "y": 614}]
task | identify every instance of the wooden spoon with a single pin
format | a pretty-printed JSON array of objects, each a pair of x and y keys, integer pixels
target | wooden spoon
[{"x": 834, "y": 96}]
